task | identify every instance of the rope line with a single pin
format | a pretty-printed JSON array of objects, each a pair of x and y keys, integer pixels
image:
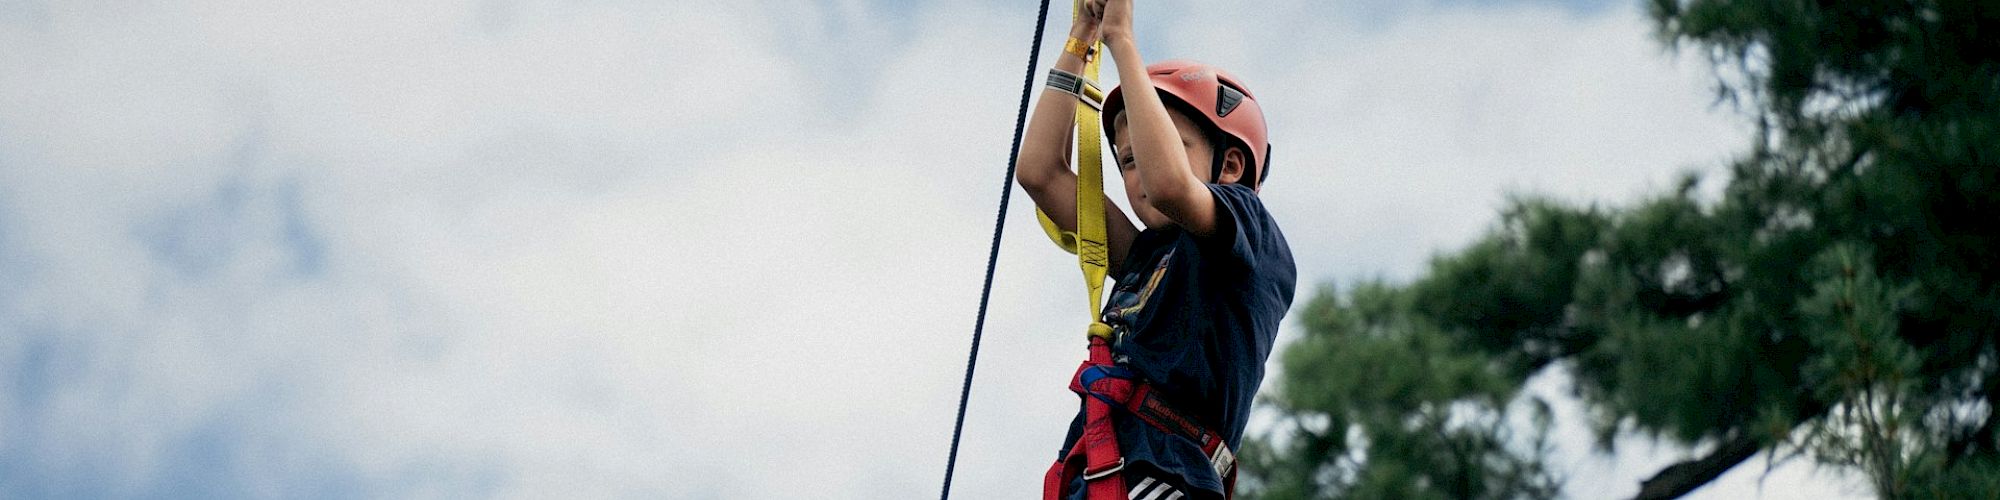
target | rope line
[{"x": 993, "y": 253}]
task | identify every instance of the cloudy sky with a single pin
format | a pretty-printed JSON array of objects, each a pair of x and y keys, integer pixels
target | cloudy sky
[{"x": 609, "y": 248}]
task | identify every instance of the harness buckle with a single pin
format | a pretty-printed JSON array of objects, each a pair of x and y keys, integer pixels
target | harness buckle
[
  {"x": 1222, "y": 460},
  {"x": 1089, "y": 475}
]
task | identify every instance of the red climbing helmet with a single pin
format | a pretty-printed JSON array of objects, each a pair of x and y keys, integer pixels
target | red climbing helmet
[{"x": 1215, "y": 96}]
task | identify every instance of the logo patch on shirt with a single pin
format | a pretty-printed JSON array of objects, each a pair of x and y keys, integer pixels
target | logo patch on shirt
[{"x": 1128, "y": 303}]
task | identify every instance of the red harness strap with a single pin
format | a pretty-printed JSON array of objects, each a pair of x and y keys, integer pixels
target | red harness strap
[{"x": 1095, "y": 455}]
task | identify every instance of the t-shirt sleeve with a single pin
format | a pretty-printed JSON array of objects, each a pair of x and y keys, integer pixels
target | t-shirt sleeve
[{"x": 1242, "y": 225}]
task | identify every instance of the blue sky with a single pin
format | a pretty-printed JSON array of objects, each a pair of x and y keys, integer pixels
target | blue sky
[{"x": 690, "y": 249}]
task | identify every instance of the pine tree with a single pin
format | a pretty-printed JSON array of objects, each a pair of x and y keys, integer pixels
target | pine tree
[{"x": 1840, "y": 299}]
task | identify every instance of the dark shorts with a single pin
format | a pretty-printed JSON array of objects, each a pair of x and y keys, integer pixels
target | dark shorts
[{"x": 1144, "y": 482}]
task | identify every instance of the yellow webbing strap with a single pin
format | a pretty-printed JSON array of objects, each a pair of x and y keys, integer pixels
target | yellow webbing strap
[{"x": 1089, "y": 240}]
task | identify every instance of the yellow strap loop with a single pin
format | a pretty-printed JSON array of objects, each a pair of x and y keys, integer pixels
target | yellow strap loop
[{"x": 1088, "y": 242}]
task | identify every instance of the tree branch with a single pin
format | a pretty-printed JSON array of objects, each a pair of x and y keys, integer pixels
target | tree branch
[{"x": 1681, "y": 478}]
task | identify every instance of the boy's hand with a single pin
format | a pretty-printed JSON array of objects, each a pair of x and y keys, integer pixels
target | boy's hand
[
  {"x": 1085, "y": 28},
  {"x": 1116, "y": 19}
]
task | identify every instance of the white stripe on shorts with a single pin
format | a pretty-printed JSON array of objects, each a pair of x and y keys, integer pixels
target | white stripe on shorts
[{"x": 1134, "y": 493}]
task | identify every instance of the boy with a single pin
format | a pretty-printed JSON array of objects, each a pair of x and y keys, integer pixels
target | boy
[{"x": 1200, "y": 291}]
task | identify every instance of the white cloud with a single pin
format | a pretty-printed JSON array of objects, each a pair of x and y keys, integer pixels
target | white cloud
[{"x": 693, "y": 250}]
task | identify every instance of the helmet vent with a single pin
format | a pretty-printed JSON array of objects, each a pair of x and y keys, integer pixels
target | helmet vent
[{"x": 1226, "y": 99}]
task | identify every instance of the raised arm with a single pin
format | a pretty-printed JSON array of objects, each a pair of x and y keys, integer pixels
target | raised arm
[
  {"x": 1044, "y": 168},
  {"x": 1161, "y": 159}
]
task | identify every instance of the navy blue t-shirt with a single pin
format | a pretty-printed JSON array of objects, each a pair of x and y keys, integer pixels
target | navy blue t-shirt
[{"x": 1196, "y": 317}]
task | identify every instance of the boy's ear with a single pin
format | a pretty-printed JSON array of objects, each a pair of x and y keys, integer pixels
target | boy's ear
[{"x": 1233, "y": 164}]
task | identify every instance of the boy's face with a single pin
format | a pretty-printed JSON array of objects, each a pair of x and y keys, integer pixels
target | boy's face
[{"x": 1200, "y": 156}]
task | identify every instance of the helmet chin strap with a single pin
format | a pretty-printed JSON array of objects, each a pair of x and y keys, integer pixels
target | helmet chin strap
[
  {"x": 1215, "y": 168},
  {"x": 1221, "y": 144}
]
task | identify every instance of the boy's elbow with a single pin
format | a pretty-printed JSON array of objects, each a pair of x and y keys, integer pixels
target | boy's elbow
[
  {"x": 1172, "y": 196},
  {"x": 1030, "y": 177},
  {"x": 1173, "y": 209},
  {"x": 1180, "y": 201},
  {"x": 1034, "y": 170}
]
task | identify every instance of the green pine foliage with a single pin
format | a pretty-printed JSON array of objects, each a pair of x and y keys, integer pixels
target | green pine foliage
[
  {"x": 1839, "y": 299},
  {"x": 1396, "y": 409}
]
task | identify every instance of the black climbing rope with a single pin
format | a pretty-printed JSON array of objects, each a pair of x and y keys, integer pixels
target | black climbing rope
[{"x": 993, "y": 254}]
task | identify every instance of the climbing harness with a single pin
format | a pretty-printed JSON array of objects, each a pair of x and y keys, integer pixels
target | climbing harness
[{"x": 1103, "y": 386}]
